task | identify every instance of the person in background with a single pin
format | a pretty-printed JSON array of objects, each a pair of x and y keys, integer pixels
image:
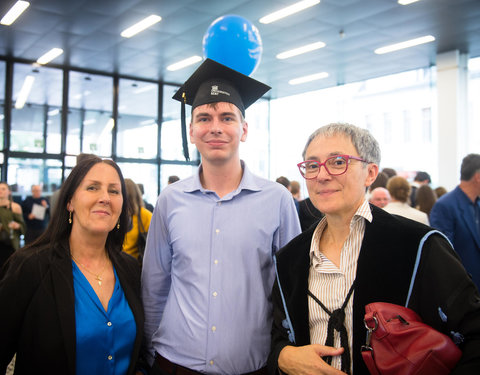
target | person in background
[
  {"x": 12, "y": 225},
  {"x": 380, "y": 181},
  {"x": 390, "y": 172},
  {"x": 295, "y": 190},
  {"x": 73, "y": 296},
  {"x": 137, "y": 212},
  {"x": 421, "y": 178},
  {"x": 399, "y": 190},
  {"x": 208, "y": 269},
  {"x": 35, "y": 225},
  {"x": 425, "y": 199},
  {"x": 380, "y": 197},
  {"x": 308, "y": 214},
  {"x": 172, "y": 179},
  {"x": 356, "y": 255},
  {"x": 147, "y": 205},
  {"x": 439, "y": 191},
  {"x": 282, "y": 180},
  {"x": 457, "y": 214}
]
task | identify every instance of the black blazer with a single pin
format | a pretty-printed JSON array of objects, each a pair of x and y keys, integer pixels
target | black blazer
[
  {"x": 37, "y": 313},
  {"x": 384, "y": 270}
]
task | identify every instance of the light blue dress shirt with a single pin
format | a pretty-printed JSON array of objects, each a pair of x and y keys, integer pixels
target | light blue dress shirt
[
  {"x": 105, "y": 339},
  {"x": 208, "y": 272}
]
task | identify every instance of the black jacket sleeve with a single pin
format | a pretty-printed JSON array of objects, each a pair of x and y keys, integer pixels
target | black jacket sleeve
[{"x": 446, "y": 298}]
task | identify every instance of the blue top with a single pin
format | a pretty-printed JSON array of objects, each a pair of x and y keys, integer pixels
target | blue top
[
  {"x": 208, "y": 272},
  {"x": 104, "y": 338}
]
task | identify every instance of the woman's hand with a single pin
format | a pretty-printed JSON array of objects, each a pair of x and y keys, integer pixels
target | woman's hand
[
  {"x": 13, "y": 225},
  {"x": 307, "y": 360}
]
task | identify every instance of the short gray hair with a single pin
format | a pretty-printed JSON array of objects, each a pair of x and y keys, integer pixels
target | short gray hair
[{"x": 363, "y": 141}]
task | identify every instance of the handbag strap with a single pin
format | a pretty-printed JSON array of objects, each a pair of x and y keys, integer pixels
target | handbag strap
[
  {"x": 417, "y": 260},
  {"x": 336, "y": 322}
]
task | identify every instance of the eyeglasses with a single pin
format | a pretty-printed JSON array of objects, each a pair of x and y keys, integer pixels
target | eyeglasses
[{"x": 334, "y": 165}]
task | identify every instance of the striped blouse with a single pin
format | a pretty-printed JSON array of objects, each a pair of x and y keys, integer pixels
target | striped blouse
[{"x": 330, "y": 284}]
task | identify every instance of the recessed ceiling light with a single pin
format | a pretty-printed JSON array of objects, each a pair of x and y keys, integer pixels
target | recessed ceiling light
[
  {"x": 14, "y": 12},
  {"x": 24, "y": 92},
  {"x": 311, "y": 77},
  {"x": 300, "y": 50},
  {"x": 406, "y": 2},
  {"x": 184, "y": 63},
  {"x": 285, "y": 12},
  {"x": 140, "y": 26},
  {"x": 49, "y": 56},
  {"x": 406, "y": 44}
]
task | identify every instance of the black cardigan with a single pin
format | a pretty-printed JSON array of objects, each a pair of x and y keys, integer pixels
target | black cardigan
[
  {"x": 384, "y": 270},
  {"x": 37, "y": 313}
]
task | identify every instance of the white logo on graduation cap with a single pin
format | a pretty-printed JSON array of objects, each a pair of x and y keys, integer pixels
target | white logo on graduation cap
[{"x": 216, "y": 91}]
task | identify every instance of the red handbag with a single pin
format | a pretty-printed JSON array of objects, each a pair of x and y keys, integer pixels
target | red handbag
[{"x": 399, "y": 343}]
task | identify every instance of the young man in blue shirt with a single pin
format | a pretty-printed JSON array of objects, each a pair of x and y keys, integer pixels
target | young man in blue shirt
[{"x": 208, "y": 269}]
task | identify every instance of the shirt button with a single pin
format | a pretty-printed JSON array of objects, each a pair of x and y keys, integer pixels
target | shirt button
[
  {"x": 211, "y": 362},
  {"x": 109, "y": 324},
  {"x": 217, "y": 231},
  {"x": 215, "y": 294},
  {"x": 215, "y": 261},
  {"x": 110, "y": 357},
  {"x": 214, "y": 328},
  {"x": 219, "y": 203}
]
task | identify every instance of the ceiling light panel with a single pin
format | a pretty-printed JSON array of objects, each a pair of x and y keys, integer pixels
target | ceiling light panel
[
  {"x": 300, "y": 50},
  {"x": 140, "y": 26},
  {"x": 406, "y": 44},
  {"x": 309, "y": 78},
  {"x": 49, "y": 56},
  {"x": 285, "y": 12},
  {"x": 184, "y": 63},
  {"x": 14, "y": 12}
]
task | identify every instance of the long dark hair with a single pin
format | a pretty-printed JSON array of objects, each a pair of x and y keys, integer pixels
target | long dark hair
[{"x": 59, "y": 229}]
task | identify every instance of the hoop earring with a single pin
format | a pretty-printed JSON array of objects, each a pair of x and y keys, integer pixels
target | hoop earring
[
  {"x": 118, "y": 224},
  {"x": 70, "y": 218}
]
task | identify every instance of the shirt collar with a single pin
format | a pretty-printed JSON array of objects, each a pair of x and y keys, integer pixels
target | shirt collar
[
  {"x": 364, "y": 211},
  {"x": 248, "y": 181}
]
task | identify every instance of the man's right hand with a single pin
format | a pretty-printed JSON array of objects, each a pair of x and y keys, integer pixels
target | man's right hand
[{"x": 307, "y": 360}]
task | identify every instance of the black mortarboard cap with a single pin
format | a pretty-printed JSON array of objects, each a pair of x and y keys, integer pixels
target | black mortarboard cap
[{"x": 213, "y": 82}]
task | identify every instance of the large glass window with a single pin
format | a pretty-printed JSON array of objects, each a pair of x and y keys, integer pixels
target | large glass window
[
  {"x": 182, "y": 171},
  {"x": 137, "y": 120},
  {"x": 378, "y": 104},
  {"x": 255, "y": 150},
  {"x": 37, "y": 97},
  {"x": 23, "y": 173},
  {"x": 143, "y": 173},
  {"x": 171, "y": 128},
  {"x": 473, "y": 106},
  {"x": 90, "y": 121}
]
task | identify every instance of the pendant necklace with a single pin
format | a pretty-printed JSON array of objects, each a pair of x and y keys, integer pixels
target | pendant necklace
[{"x": 98, "y": 277}]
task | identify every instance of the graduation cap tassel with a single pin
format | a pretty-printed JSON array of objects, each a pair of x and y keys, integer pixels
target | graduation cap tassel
[{"x": 184, "y": 129}]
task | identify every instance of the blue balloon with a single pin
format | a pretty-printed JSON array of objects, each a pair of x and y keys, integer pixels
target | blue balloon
[{"x": 235, "y": 42}]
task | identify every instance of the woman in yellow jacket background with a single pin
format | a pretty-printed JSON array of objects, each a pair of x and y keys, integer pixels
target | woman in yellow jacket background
[{"x": 136, "y": 208}]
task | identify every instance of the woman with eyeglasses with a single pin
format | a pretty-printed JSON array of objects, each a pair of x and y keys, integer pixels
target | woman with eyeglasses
[{"x": 359, "y": 254}]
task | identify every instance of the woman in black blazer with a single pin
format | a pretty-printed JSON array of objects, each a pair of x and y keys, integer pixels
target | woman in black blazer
[{"x": 70, "y": 301}]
